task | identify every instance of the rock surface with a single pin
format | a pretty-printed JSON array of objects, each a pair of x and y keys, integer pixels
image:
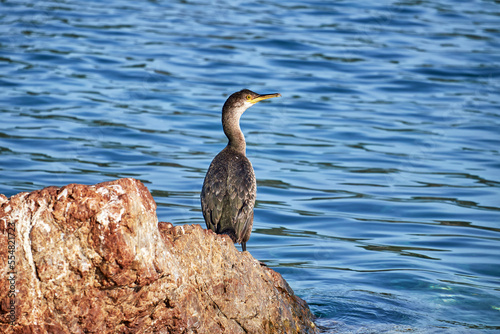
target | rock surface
[{"x": 94, "y": 259}]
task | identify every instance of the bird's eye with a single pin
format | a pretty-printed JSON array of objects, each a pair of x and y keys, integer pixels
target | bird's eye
[{"x": 249, "y": 97}]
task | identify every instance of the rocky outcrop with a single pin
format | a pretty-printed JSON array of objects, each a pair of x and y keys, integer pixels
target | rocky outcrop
[{"x": 94, "y": 259}]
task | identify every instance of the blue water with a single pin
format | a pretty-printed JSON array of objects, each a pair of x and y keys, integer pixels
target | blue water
[{"x": 378, "y": 170}]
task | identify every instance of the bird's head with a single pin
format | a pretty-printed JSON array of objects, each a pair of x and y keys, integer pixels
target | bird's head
[{"x": 240, "y": 101}]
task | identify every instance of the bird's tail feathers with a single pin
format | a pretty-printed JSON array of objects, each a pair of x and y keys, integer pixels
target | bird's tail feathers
[{"x": 230, "y": 232}]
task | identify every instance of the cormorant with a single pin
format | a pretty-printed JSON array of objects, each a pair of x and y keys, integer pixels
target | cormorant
[{"x": 229, "y": 188}]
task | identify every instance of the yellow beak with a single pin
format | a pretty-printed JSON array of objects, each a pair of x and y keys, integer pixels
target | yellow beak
[{"x": 264, "y": 97}]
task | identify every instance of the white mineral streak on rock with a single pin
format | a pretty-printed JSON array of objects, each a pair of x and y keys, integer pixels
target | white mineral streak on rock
[{"x": 63, "y": 193}]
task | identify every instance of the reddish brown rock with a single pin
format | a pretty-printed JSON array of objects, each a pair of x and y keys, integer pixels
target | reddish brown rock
[{"x": 93, "y": 259}]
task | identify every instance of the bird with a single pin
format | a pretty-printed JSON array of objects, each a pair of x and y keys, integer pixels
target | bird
[{"x": 230, "y": 188}]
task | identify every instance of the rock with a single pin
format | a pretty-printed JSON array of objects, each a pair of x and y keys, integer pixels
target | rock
[{"x": 94, "y": 259}]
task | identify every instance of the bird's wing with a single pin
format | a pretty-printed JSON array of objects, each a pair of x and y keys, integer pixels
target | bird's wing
[
  {"x": 242, "y": 192},
  {"x": 213, "y": 193}
]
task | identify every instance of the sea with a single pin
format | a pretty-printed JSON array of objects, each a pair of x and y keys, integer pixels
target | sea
[{"x": 378, "y": 170}]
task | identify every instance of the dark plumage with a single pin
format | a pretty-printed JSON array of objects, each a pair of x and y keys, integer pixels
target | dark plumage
[{"x": 229, "y": 188}]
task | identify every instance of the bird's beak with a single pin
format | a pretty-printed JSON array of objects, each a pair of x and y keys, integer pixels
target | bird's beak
[{"x": 265, "y": 97}]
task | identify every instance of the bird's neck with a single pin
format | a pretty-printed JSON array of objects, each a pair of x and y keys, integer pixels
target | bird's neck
[{"x": 231, "y": 126}]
